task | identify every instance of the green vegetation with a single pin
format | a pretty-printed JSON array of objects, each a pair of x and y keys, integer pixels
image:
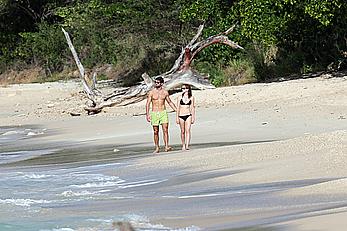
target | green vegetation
[{"x": 280, "y": 37}]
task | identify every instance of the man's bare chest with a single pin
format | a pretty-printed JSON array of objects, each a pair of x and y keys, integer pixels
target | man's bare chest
[{"x": 158, "y": 96}]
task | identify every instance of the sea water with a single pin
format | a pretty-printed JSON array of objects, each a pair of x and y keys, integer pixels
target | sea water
[
  {"x": 40, "y": 199},
  {"x": 36, "y": 196}
]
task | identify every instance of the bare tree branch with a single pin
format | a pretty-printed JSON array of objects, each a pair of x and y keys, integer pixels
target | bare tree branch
[
  {"x": 180, "y": 73},
  {"x": 87, "y": 88}
]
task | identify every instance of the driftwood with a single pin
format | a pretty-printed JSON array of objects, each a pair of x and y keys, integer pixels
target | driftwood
[{"x": 180, "y": 73}]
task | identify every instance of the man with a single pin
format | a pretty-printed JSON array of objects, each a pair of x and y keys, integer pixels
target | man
[{"x": 158, "y": 115}]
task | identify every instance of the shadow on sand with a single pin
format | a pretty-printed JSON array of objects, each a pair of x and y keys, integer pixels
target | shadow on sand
[{"x": 85, "y": 154}]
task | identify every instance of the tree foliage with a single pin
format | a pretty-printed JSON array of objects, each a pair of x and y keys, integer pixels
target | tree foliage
[{"x": 281, "y": 36}]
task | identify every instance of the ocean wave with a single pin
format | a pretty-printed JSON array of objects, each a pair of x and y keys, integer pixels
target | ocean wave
[
  {"x": 23, "y": 202},
  {"x": 93, "y": 177},
  {"x": 97, "y": 184},
  {"x": 141, "y": 183},
  {"x": 35, "y": 133},
  {"x": 11, "y": 133},
  {"x": 70, "y": 193},
  {"x": 27, "y": 132},
  {"x": 83, "y": 169},
  {"x": 111, "y": 181},
  {"x": 10, "y": 157},
  {"x": 94, "y": 180},
  {"x": 63, "y": 229},
  {"x": 201, "y": 195},
  {"x": 36, "y": 176}
]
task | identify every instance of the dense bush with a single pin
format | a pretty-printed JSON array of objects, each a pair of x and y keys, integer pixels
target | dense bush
[
  {"x": 45, "y": 48},
  {"x": 281, "y": 37}
]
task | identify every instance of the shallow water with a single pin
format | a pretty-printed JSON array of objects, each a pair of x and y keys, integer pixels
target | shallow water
[{"x": 55, "y": 186}]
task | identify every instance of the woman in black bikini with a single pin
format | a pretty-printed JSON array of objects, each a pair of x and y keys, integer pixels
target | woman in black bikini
[{"x": 185, "y": 114}]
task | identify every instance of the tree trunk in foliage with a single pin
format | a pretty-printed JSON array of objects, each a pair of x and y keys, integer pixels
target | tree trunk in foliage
[{"x": 180, "y": 73}]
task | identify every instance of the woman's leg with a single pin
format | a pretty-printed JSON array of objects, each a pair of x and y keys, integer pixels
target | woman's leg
[
  {"x": 182, "y": 134},
  {"x": 187, "y": 126}
]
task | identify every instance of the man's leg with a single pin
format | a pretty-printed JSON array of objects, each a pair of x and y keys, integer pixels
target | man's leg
[
  {"x": 165, "y": 127},
  {"x": 156, "y": 138}
]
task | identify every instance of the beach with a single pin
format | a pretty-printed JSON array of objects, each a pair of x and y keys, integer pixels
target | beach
[{"x": 264, "y": 156}]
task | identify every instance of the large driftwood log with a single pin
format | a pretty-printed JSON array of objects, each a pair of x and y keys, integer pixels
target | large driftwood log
[
  {"x": 180, "y": 73},
  {"x": 88, "y": 87}
]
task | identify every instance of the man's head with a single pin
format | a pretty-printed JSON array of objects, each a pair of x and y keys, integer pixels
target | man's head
[{"x": 158, "y": 82}]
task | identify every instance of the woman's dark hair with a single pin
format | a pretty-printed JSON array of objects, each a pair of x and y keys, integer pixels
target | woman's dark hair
[{"x": 189, "y": 90}]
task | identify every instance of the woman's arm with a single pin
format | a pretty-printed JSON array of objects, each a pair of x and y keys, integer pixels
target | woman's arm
[
  {"x": 192, "y": 109},
  {"x": 178, "y": 110}
]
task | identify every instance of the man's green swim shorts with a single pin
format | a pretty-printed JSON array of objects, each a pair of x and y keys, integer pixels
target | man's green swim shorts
[{"x": 159, "y": 117}]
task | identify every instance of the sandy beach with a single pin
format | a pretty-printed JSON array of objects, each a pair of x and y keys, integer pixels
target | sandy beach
[{"x": 265, "y": 156}]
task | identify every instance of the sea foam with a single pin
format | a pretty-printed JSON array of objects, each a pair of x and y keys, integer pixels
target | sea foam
[{"x": 23, "y": 202}]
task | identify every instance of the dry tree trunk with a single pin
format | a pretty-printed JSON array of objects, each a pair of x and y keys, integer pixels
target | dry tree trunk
[{"x": 180, "y": 73}]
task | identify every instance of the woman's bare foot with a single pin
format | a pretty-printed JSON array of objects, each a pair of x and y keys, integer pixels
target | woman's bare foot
[
  {"x": 183, "y": 148},
  {"x": 156, "y": 150},
  {"x": 187, "y": 149},
  {"x": 167, "y": 149}
]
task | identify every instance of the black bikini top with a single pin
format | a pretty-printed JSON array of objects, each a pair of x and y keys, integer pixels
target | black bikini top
[{"x": 188, "y": 103}]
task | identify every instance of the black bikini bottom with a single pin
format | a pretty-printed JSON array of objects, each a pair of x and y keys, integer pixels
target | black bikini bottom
[{"x": 185, "y": 117}]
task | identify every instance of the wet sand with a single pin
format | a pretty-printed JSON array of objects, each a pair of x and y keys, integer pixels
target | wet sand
[{"x": 264, "y": 156}]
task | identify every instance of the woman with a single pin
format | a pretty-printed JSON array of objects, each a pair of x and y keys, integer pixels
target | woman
[{"x": 185, "y": 114}]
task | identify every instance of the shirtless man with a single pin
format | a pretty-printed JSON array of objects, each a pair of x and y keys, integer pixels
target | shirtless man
[{"x": 158, "y": 115}]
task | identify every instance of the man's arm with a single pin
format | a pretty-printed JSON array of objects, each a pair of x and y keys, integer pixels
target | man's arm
[
  {"x": 172, "y": 105},
  {"x": 149, "y": 99}
]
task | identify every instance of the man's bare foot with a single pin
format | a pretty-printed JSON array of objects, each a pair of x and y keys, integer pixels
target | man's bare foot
[
  {"x": 156, "y": 150},
  {"x": 167, "y": 149}
]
